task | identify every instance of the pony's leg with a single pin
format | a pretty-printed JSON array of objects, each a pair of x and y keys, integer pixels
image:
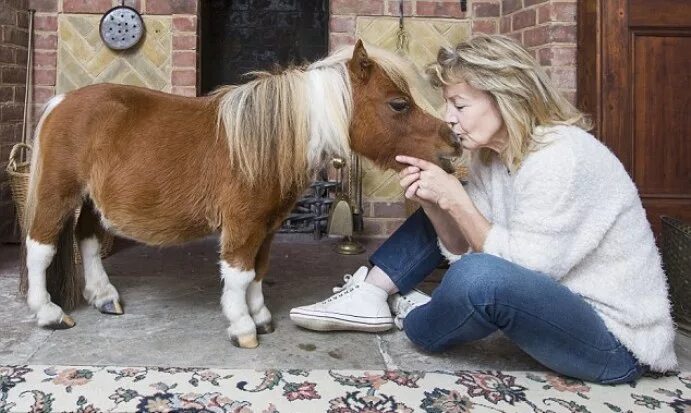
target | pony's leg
[
  {"x": 52, "y": 219},
  {"x": 39, "y": 255},
  {"x": 98, "y": 290},
  {"x": 238, "y": 253},
  {"x": 255, "y": 298}
]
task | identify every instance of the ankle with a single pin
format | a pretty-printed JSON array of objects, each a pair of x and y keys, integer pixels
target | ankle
[{"x": 379, "y": 278}]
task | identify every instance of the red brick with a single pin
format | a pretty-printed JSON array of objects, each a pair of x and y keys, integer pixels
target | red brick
[
  {"x": 338, "y": 40},
  {"x": 171, "y": 7},
  {"x": 439, "y": 9},
  {"x": 6, "y": 93},
  {"x": 21, "y": 56},
  {"x": 7, "y": 54},
  {"x": 8, "y": 16},
  {"x": 371, "y": 8},
  {"x": 510, "y": 6},
  {"x": 342, "y": 24},
  {"x": 23, "y": 19},
  {"x": 536, "y": 36},
  {"x": 43, "y": 5},
  {"x": 517, "y": 36},
  {"x": 563, "y": 33},
  {"x": 184, "y": 90},
  {"x": 486, "y": 9},
  {"x": 185, "y": 58},
  {"x": 529, "y": 3},
  {"x": 46, "y": 41},
  {"x": 485, "y": 26},
  {"x": 43, "y": 93},
  {"x": 523, "y": 19},
  {"x": 19, "y": 92},
  {"x": 44, "y": 76},
  {"x": 388, "y": 209},
  {"x": 47, "y": 58},
  {"x": 344, "y": 6},
  {"x": 185, "y": 42},
  {"x": 392, "y": 225},
  {"x": 394, "y": 8},
  {"x": 13, "y": 75},
  {"x": 184, "y": 77},
  {"x": 373, "y": 227},
  {"x": 135, "y": 4},
  {"x": 557, "y": 56},
  {"x": 557, "y": 12},
  {"x": 505, "y": 24},
  {"x": 86, "y": 6},
  {"x": 11, "y": 112},
  {"x": 13, "y": 35},
  {"x": 563, "y": 77},
  {"x": 185, "y": 23},
  {"x": 570, "y": 95},
  {"x": 47, "y": 22}
]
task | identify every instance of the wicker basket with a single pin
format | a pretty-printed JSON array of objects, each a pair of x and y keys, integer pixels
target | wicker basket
[
  {"x": 18, "y": 171},
  {"x": 676, "y": 255}
]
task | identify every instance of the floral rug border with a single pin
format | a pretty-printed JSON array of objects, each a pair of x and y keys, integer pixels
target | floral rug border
[{"x": 90, "y": 389}]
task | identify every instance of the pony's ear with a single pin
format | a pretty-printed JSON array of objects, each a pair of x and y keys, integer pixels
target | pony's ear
[{"x": 360, "y": 65}]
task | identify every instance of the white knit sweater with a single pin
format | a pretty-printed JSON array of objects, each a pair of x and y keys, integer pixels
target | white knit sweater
[{"x": 572, "y": 212}]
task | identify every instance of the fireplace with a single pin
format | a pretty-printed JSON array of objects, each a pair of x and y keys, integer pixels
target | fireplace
[{"x": 238, "y": 36}]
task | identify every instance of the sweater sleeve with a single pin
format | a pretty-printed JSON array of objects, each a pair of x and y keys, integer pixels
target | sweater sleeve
[
  {"x": 554, "y": 222},
  {"x": 477, "y": 193}
]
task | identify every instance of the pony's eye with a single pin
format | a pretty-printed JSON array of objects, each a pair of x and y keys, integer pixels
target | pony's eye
[{"x": 399, "y": 104}]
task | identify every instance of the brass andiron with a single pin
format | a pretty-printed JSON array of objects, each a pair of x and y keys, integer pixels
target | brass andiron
[{"x": 341, "y": 217}]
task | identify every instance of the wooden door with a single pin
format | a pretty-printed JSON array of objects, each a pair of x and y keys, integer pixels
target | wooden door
[{"x": 635, "y": 79}]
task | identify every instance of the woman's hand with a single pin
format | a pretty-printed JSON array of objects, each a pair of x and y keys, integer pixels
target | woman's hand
[{"x": 429, "y": 185}]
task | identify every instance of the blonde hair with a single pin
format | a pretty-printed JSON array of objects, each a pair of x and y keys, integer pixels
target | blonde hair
[{"x": 522, "y": 91}]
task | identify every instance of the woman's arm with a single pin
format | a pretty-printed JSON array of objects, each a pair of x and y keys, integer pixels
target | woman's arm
[
  {"x": 460, "y": 217},
  {"x": 446, "y": 204}
]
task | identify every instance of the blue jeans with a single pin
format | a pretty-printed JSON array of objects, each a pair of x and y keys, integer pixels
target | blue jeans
[{"x": 481, "y": 293}]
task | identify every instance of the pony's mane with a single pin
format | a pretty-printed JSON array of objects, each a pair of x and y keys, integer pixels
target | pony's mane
[{"x": 282, "y": 126}]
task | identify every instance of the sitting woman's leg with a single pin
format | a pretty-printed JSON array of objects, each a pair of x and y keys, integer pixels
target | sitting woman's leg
[
  {"x": 404, "y": 260},
  {"x": 482, "y": 293},
  {"x": 410, "y": 254}
]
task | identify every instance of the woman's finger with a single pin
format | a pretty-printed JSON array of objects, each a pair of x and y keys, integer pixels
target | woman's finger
[
  {"x": 407, "y": 180},
  {"x": 409, "y": 170},
  {"x": 420, "y": 163},
  {"x": 412, "y": 189}
]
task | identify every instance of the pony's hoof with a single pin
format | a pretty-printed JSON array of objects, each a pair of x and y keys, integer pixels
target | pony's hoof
[
  {"x": 111, "y": 307},
  {"x": 266, "y": 328},
  {"x": 249, "y": 341},
  {"x": 65, "y": 323}
]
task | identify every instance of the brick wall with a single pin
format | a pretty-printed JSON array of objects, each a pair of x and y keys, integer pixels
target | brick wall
[
  {"x": 545, "y": 27},
  {"x": 548, "y": 29},
  {"x": 184, "y": 22},
  {"x": 14, "y": 39},
  {"x": 483, "y": 14}
]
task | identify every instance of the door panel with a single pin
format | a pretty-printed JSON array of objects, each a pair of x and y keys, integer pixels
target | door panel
[{"x": 635, "y": 78}]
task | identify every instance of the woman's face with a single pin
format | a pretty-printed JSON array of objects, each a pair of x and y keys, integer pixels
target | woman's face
[{"x": 474, "y": 117}]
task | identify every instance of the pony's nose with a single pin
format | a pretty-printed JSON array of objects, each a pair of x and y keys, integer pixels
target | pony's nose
[{"x": 451, "y": 137}]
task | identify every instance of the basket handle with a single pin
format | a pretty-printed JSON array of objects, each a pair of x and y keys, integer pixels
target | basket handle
[{"x": 14, "y": 154}]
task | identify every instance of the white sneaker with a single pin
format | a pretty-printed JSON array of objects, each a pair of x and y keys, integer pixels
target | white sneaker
[
  {"x": 357, "y": 305},
  {"x": 402, "y": 304}
]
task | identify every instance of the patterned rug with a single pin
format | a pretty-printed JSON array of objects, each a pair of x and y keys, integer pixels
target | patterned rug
[{"x": 156, "y": 389}]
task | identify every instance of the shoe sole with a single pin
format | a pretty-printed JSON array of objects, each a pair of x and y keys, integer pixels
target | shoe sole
[{"x": 330, "y": 323}]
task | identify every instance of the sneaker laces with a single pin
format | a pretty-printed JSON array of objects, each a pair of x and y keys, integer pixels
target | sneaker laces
[{"x": 350, "y": 280}]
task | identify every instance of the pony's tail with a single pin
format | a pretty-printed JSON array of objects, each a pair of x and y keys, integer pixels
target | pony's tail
[{"x": 63, "y": 280}]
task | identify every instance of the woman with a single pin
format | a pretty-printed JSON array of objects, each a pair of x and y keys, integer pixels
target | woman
[{"x": 561, "y": 259}]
